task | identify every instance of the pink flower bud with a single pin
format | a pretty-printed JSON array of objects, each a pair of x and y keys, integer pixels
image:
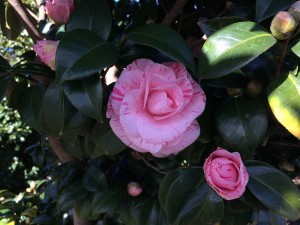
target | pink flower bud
[
  {"x": 134, "y": 189},
  {"x": 46, "y": 50},
  {"x": 59, "y": 10}
]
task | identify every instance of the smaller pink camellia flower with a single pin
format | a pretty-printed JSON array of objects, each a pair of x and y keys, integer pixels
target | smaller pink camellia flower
[
  {"x": 134, "y": 189},
  {"x": 226, "y": 174},
  {"x": 59, "y": 10},
  {"x": 46, "y": 50}
]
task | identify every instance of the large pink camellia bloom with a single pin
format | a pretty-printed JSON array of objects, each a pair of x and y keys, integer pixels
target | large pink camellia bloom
[
  {"x": 59, "y": 10},
  {"x": 153, "y": 107},
  {"x": 226, "y": 174},
  {"x": 46, "y": 50}
]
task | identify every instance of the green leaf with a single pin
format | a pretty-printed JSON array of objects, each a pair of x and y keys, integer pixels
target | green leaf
[
  {"x": 94, "y": 179},
  {"x": 84, "y": 208},
  {"x": 231, "y": 48},
  {"x": 195, "y": 203},
  {"x": 284, "y": 100},
  {"x": 72, "y": 118},
  {"x": 51, "y": 111},
  {"x": 165, "y": 186},
  {"x": 236, "y": 218},
  {"x": 29, "y": 105},
  {"x": 268, "y": 8},
  {"x": 4, "y": 81},
  {"x": 238, "y": 119},
  {"x": 107, "y": 201},
  {"x": 4, "y": 65},
  {"x": 81, "y": 54},
  {"x": 296, "y": 49},
  {"x": 149, "y": 214},
  {"x": 211, "y": 26},
  {"x": 13, "y": 26},
  {"x": 165, "y": 40},
  {"x": 274, "y": 189},
  {"x": 33, "y": 69},
  {"x": 93, "y": 15},
  {"x": 70, "y": 194},
  {"x": 203, "y": 206},
  {"x": 86, "y": 96}
]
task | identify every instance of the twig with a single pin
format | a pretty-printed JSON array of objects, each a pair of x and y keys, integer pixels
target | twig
[
  {"x": 174, "y": 11},
  {"x": 140, "y": 156},
  {"x": 282, "y": 56},
  {"x": 297, "y": 145},
  {"x": 27, "y": 20},
  {"x": 55, "y": 144}
]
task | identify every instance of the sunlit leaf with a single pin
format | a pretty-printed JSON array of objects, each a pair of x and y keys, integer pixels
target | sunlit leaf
[
  {"x": 232, "y": 47},
  {"x": 284, "y": 100}
]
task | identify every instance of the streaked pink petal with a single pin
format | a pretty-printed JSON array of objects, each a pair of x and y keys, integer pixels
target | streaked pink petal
[
  {"x": 129, "y": 80},
  {"x": 156, "y": 69},
  {"x": 139, "y": 64},
  {"x": 188, "y": 137},
  {"x": 178, "y": 68}
]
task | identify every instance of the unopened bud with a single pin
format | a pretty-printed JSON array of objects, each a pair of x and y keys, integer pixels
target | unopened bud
[
  {"x": 283, "y": 25},
  {"x": 254, "y": 88},
  {"x": 134, "y": 189},
  {"x": 295, "y": 11}
]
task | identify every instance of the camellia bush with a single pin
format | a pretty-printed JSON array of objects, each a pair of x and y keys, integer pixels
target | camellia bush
[{"x": 162, "y": 112}]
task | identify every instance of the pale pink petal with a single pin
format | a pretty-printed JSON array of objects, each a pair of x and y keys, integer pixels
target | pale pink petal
[
  {"x": 188, "y": 137},
  {"x": 178, "y": 68},
  {"x": 129, "y": 80},
  {"x": 156, "y": 69},
  {"x": 139, "y": 64},
  {"x": 197, "y": 104}
]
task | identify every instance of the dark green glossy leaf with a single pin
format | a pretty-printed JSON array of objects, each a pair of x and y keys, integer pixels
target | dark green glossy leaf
[
  {"x": 4, "y": 65},
  {"x": 237, "y": 121},
  {"x": 72, "y": 118},
  {"x": 203, "y": 206},
  {"x": 70, "y": 194},
  {"x": 231, "y": 48},
  {"x": 81, "y": 53},
  {"x": 268, "y": 8},
  {"x": 94, "y": 179},
  {"x": 4, "y": 81},
  {"x": 84, "y": 208},
  {"x": 107, "y": 201},
  {"x": 274, "y": 189},
  {"x": 93, "y": 15},
  {"x": 149, "y": 214},
  {"x": 165, "y": 40},
  {"x": 86, "y": 96},
  {"x": 29, "y": 105},
  {"x": 284, "y": 100},
  {"x": 211, "y": 26},
  {"x": 13, "y": 25},
  {"x": 195, "y": 203},
  {"x": 179, "y": 192},
  {"x": 165, "y": 186},
  {"x": 236, "y": 218},
  {"x": 33, "y": 69},
  {"x": 51, "y": 110}
]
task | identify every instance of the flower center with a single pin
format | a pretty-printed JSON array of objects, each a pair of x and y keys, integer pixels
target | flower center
[{"x": 159, "y": 103}]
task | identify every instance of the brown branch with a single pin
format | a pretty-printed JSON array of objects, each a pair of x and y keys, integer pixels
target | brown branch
[
  {"x": 27, "y": 20},
  {"x": 55, "y": 144},
  {"x": 282, "y": 56},
  {"x": 140, "y": 156},
  {"x": 174, "y": 11}
]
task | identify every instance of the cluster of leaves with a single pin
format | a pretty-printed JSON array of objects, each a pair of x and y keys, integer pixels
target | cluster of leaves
[{"x": 71, "y": 104}]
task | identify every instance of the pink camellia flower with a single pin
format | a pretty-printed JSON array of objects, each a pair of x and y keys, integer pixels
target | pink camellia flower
[
  {"x": 153, "y": 107},
  {"x": 226, "y": 174},
  {"x": 59, "y": 10},
  {"x": 134, "y": 189},
  {"x": 46, "y": 50}
]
